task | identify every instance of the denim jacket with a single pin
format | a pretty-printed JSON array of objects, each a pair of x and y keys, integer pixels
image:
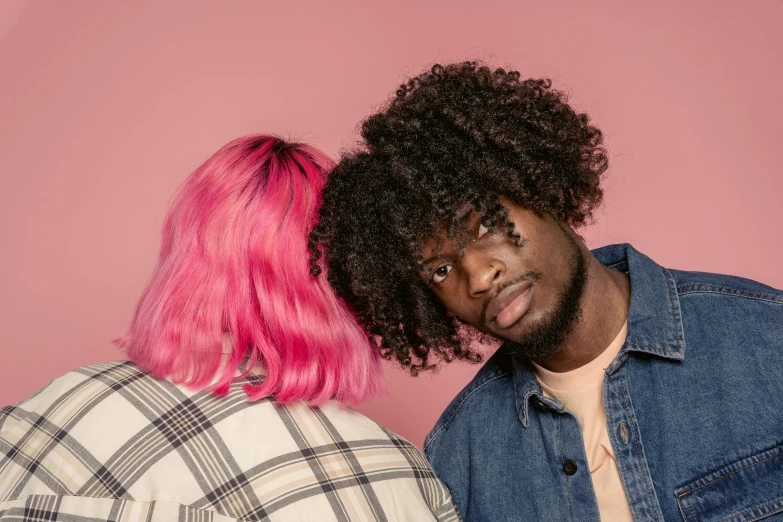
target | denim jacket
[{"x": 694, "y": 409}]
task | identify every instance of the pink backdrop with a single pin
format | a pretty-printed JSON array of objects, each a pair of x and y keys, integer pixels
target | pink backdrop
[{"x": 106, "y": 106}]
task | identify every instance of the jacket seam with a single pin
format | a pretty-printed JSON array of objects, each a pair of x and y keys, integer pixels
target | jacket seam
[
  {"x": 445, "y": 423},
  {"x": 674, "y": 297},
  {"x": 652, "y": 349},
  {"x": 702, "y": 288},
  {"x": 609, "y": 405},
  {"x": 763, "y": 515},
  {"x": 724, "y": 475},
  {"x": 631, "y": 415}
]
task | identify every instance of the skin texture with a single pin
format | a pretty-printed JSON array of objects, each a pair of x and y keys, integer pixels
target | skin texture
[{"x": 542, "y": 261}]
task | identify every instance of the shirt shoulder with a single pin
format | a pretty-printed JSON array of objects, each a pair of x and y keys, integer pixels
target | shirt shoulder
[
  {"x": 405, "y": 485},
  {"x": 49, "y": 392},
  {"x": 492, "y": 380},
  {"x": 704, "y": 283},
  {"x": 114, "y": 433},
  {"x": 733, "y": 302}
]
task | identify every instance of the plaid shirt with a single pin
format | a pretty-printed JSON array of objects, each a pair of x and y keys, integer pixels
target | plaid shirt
[{"x": 109, "y": 442}]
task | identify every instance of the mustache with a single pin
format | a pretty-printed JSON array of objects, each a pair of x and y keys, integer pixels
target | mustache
[{"x": 531, "y": 276}]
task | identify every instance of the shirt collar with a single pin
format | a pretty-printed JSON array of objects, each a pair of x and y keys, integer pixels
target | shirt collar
[{"x": 654, "y": 320}]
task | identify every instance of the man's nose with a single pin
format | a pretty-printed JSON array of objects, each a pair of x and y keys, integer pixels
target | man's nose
[{"x": 482, "y": 272}]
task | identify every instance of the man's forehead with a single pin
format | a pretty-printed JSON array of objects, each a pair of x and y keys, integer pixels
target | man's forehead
[{"x": 434, "y": 244}]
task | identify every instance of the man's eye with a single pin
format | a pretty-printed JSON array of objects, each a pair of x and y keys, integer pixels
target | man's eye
[
  {"x": 440, "y": 273},
  {"x": 481, "y": 231}
]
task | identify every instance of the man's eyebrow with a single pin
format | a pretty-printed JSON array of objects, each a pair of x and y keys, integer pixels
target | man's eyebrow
[{"x": 430, "y": 259}]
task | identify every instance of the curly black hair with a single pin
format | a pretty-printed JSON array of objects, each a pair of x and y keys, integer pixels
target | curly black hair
[{"x": 456, "y": 136}]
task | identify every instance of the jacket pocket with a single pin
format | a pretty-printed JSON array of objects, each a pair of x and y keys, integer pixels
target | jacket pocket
[{"x": 746, "y": 490}]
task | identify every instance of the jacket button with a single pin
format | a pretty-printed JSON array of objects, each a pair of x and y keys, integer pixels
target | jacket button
[
  {"x": 569, "y": 467},
  {"x": 538, "y": 403}
]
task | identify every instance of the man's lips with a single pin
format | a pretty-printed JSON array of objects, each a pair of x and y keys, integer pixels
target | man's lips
[{"x": 510, "y": 304}]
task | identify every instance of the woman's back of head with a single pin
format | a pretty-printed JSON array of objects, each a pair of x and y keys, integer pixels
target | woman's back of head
[{"x": 232, "y": 286}]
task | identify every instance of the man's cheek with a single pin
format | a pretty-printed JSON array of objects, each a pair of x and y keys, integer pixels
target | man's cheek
[
  {"x": 470, "y": 316},
  {"x": 457, "y": 310}
]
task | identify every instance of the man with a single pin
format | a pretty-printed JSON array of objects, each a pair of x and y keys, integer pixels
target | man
[
  {"x": 230, "y": 408},
  {"x": 623, "y": 390}
]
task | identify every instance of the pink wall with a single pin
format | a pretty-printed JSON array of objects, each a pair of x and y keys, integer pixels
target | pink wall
[{"x": 106, "y": 106}]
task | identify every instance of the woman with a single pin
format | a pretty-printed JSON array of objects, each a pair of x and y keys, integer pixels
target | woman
[{"x": 229, "y": 407}]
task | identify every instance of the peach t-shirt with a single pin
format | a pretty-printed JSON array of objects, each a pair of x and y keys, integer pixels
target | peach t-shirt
[{"x": 580, "y": 391}]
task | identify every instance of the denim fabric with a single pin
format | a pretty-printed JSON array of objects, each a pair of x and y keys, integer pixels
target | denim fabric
[{"x": 694, "y": 408}]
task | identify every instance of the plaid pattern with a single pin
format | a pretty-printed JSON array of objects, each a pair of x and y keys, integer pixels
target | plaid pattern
[{"x": 108, "y": 442}]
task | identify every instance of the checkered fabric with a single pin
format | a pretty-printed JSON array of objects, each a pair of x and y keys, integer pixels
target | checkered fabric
[{"x": 109, "y": 442}]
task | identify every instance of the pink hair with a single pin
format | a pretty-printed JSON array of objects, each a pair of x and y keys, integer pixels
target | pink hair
[{"x": 234, "y": 266}]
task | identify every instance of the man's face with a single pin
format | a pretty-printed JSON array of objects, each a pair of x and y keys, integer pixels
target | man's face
[{"x": 529, "y": 294}]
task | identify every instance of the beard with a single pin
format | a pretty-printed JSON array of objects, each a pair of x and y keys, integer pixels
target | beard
[{"x": 544, "y": 339}]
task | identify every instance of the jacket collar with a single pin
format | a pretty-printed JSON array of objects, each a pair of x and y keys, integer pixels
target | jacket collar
[{"x": 654, "y": 320}]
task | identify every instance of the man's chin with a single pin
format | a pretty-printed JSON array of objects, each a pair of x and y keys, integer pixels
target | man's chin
[
  {"x": 523, "y": 329},
  {"x": 540, "y": 338},
  {"x": 533, "y": 350}
]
